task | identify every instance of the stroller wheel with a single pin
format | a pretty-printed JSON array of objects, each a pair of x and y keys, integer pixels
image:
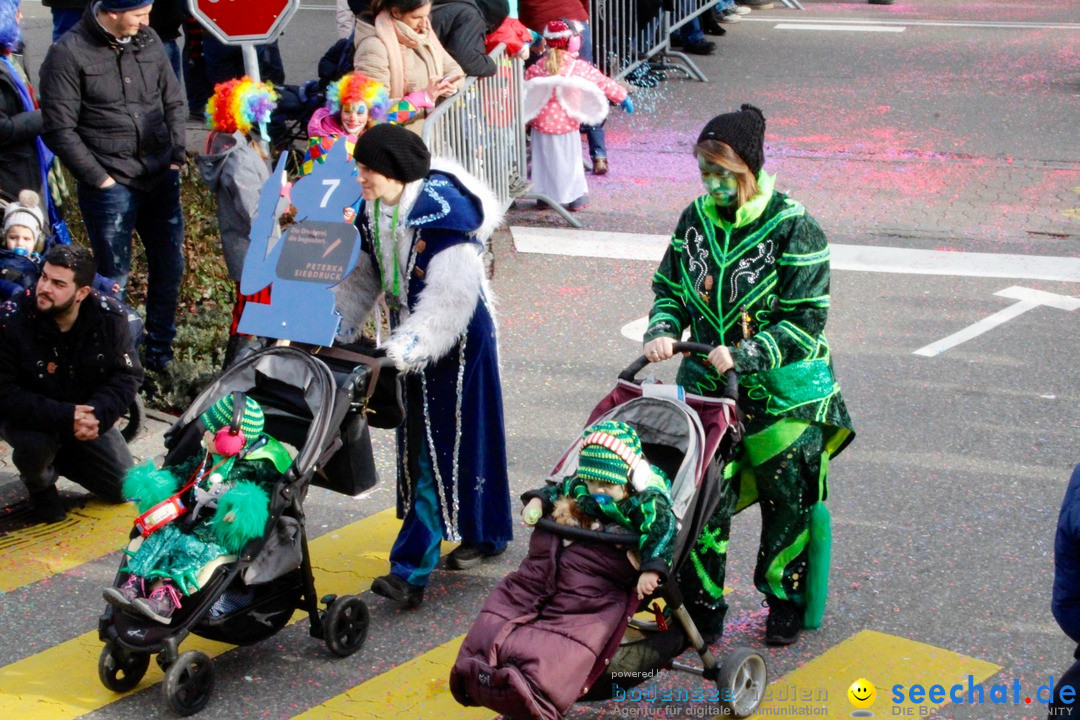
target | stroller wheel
[
  {"x": 345, "y": 625},
  {"x": 188, "y": 683},
  {"x": 120, "y": 670},
  {"x": 133, "y": 419},
  {"x": 743, "y": 676}
]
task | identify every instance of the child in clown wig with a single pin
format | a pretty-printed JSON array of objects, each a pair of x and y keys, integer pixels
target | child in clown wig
[
  {"x": 226, "y": 506},
  {"x": 354, "y": 103},
  {"x": 614, "y": 483},
  {"x": 562, "y": 92},
  {"x": 235, "y": 168}
]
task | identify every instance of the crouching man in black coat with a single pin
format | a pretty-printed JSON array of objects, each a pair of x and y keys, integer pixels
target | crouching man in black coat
[{"x": 67, "y": 373}]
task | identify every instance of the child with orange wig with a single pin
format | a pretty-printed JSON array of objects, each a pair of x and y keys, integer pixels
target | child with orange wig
[{"x": 235, "y": 167}]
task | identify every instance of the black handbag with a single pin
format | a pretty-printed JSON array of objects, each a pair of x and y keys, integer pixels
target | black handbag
[{"x": 383, "y": 397}]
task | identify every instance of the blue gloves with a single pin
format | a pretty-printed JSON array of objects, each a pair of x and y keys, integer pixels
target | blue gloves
[{"x": 628, "y": 105}]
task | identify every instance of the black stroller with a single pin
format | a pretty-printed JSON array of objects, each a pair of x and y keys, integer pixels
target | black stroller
[
  {"x": 690, "y": 438},
  {"x": 246, "y": 601}
]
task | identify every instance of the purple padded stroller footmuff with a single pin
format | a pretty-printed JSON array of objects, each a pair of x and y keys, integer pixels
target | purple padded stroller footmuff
[{"x": 546, "y": 630}]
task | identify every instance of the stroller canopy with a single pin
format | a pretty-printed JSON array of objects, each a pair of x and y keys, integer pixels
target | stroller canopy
[{"x": 287, "y": 382}]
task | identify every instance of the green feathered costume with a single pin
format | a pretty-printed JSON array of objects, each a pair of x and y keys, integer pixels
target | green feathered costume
[{"x": 241, "y": 512}]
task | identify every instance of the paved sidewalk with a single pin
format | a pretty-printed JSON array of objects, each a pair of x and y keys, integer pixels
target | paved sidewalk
[{"x": 13, "y": 505}]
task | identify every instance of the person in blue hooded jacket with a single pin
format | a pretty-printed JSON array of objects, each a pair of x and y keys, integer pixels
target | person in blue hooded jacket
[
  {"x": 423, "y": 224},
  {"x": 1066, "y": 602}
]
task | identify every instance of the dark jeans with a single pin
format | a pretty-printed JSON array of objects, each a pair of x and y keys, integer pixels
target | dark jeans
[
  {"x": 172, "y": 51},
  {"x": 98, "y": 465},
  {"x": 594, "y": 134},
  {"x": 196, "y": 84},
  {"x": 111, "y": 214},
  {"x": 691, "y": 32},
  {"x": 225, "y": 62},
  {"x": 63, "y": 20}
]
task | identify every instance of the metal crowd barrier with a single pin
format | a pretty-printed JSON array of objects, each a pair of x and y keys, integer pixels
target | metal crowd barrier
[
  {"x": 623, "y": 41},
  {"x": 482, "y": 126}
]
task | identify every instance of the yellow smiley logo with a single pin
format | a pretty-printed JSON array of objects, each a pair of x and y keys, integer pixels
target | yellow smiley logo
[{"x": 862, "y": 693}]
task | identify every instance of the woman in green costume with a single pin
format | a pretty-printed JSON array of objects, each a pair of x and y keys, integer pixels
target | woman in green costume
[{"x": 747, "y": 271}]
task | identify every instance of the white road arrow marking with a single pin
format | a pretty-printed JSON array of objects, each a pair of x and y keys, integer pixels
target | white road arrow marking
[{"x": 1028, "y": 300}]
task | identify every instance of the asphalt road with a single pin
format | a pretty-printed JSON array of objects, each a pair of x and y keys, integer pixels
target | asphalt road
[{"x": 957, "y": 134}]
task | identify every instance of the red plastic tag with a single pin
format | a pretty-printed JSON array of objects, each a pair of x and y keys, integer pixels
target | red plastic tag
[
  {"x": 159, "y": 516},
  {"x": 661, "y": 621}
]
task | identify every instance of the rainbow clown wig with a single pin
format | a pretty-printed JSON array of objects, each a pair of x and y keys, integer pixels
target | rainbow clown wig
[
  {"x": 240, "y": 104},
  {"x": 355, "y": 87},
  {"x": 10, "y": 32}
]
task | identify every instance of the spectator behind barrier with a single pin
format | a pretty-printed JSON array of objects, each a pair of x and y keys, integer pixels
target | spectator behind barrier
[
  {"x": 397, "y": 28},
  {"x": 353, "y": 104},
  {"x": 65, "y": 13},
  {"x": 166, "y": 18},
  {"x": 461, "y": 26}
]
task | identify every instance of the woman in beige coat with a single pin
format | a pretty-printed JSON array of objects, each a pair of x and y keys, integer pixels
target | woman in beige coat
[{"x": 396, "y": 46}]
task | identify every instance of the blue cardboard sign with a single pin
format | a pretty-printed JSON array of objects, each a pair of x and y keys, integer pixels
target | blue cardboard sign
[{"x": 315, "y": 253}]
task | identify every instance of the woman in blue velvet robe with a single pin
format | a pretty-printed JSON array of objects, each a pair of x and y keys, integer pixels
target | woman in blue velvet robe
[{"x": 423, "y": 225}]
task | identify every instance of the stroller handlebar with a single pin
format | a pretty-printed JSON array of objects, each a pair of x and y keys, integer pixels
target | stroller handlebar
[
  {"x": 732, "y": 389},
  {"x": 577, "y": 533}
]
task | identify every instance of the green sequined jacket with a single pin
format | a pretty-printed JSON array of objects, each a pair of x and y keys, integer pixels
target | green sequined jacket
[{"x": 760, "y": 286}]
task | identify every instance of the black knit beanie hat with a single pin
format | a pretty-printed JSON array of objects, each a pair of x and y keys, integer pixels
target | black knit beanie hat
[
  {"x": 395, "y": 152},
  {"x": 743, "y": 130}
]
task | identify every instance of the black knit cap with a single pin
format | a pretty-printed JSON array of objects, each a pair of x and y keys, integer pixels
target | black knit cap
[
  {"x": 743, "y": 130},
  {"x": 395, "y": 152}
]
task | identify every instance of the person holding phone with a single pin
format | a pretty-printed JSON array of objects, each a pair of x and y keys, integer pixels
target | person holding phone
[{"x": 396, "y": 46}]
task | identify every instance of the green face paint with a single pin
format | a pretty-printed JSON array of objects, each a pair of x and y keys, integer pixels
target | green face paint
[{"x": 721, "y": 184}]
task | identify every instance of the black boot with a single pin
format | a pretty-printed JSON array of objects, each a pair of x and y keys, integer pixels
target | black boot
[
  {"x": 399, "y": 590},
  {"x": 711, "y": 26},
  {"x": 465, "y": 556},
  {"x": 784, "y": 623},
  {"x": 47, "y": 505}
]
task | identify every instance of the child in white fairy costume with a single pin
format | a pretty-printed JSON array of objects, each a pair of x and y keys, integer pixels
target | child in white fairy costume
[{"x": 562, "y": 92}]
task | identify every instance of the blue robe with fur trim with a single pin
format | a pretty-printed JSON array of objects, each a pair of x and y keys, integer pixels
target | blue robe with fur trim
[{"x": 454, "y": 404}]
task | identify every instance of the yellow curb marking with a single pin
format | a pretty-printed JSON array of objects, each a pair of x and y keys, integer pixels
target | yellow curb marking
[
  {"x": 417, "y": 689},
  {"x": 884, "y": 660},
  {"x": 346, "y": 561}
]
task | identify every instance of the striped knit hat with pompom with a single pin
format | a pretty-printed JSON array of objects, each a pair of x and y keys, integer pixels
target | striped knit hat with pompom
[
  {"x": 220, "y": 415},
  {"x": 611, "y": 453}
]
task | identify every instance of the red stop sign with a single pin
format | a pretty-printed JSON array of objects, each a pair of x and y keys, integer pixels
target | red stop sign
[{"x": 239, "y": 21}]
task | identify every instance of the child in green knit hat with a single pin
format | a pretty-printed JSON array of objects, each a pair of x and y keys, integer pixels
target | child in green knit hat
[
  {"x": 200, "y": 513},
  {"x": 614, "y": 483}
]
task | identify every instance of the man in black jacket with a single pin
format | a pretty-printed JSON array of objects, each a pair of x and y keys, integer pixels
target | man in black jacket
[
  {"x": 461, "y": 26},
  {"x": 114, "y": 115},
  {"x": 67, "y": 373}
]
